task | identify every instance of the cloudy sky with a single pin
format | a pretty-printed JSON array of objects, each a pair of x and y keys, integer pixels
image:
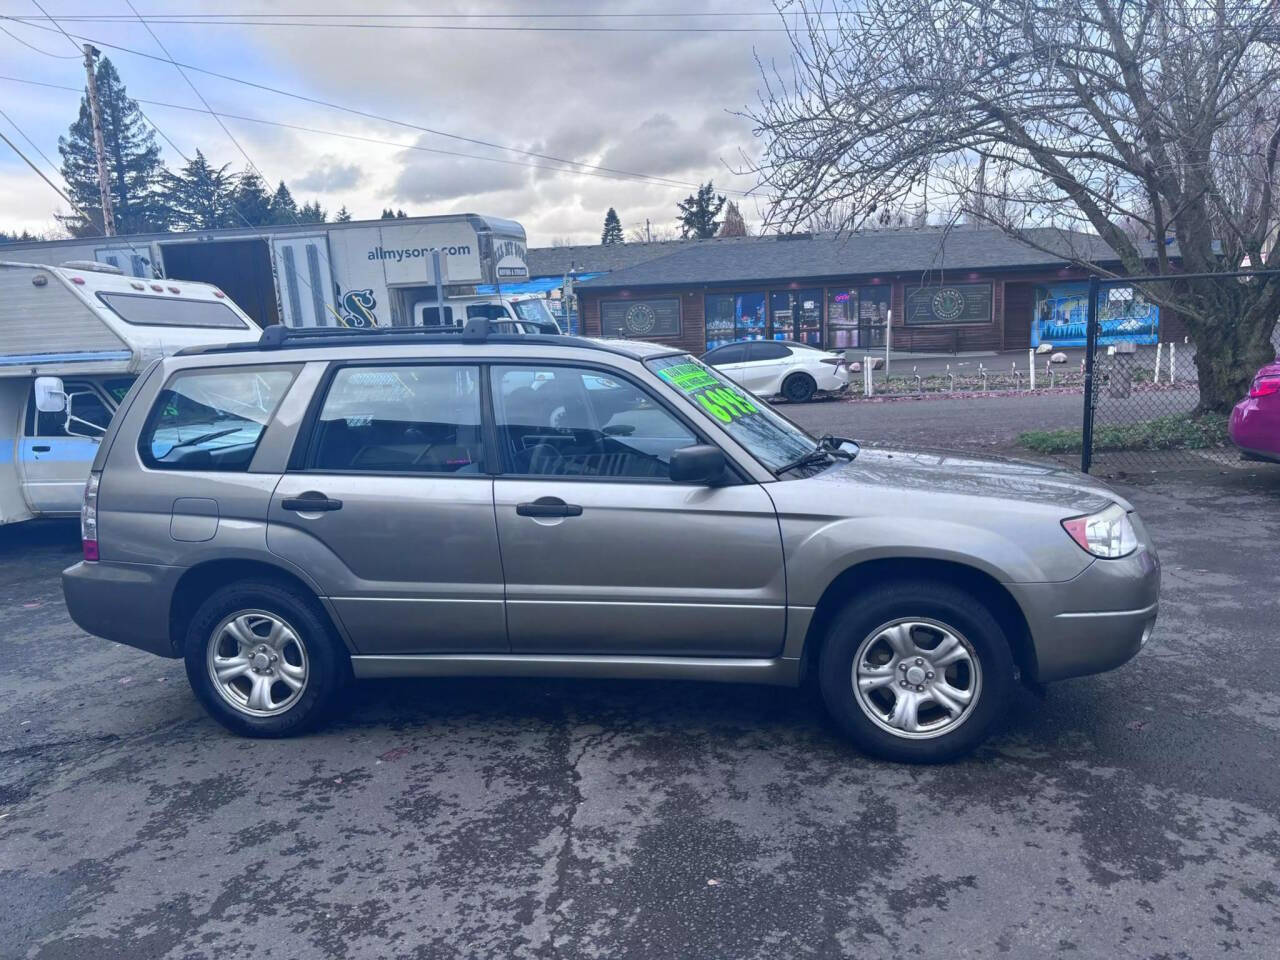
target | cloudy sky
[{"x": 651, "y": 101}]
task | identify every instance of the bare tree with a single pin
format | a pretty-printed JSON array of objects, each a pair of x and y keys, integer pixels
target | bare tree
[{"x": 1136, "y": 122}]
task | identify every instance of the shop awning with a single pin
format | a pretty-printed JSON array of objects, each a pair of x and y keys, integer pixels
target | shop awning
[{"x": 535, "y": 285}]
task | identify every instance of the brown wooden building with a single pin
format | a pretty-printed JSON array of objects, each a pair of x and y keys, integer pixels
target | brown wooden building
[{"x": 946, "y": 290}]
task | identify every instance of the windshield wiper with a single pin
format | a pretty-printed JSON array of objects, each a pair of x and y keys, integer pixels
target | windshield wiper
[
  {"x": 814, "y": 456},
  {"x": 203, "y": 438},
  {"x": 834, "y": 444}
]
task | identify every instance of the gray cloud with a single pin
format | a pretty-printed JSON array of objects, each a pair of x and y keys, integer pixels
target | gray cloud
[
  {"x": 330, "y": 175},
  {"x": 652, "y": 102}
]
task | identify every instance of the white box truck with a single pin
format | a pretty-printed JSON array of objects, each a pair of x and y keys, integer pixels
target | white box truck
[
  {"x": 359, "y": 273},
  {"x": 72, "y": 341}
]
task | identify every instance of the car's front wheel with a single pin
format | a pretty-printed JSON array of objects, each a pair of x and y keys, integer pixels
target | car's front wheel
[
  {"x": 263, "y": 660},
  {"x": 916, "y": 671}
]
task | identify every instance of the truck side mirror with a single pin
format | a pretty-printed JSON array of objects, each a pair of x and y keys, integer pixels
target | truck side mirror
[{"x": 50, "y": 395}]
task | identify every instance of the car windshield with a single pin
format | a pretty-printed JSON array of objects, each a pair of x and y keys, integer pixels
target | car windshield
[
  {"x": 535, "y": 311},
  {"x": 772, "y": 439}
]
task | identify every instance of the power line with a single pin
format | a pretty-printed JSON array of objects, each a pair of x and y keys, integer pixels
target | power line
[
  {"x": 359, "y": 22},
  {"x": 458, "y": 27},
  {"x": 385, "y": 119},
  {"x": 32, "y": 46},
  {"x": 34, "y": 146},
  {"x": 580, "y": 15},
  {"x": 39, "y": 173},
  {"x": 331, "y": 133}
]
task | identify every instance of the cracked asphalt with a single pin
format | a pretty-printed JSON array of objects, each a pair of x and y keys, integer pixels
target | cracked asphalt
[{"x": 1134, "y": 814}]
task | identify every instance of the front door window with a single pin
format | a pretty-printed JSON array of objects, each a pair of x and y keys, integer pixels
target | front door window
[{"x": 796, "y": 315}]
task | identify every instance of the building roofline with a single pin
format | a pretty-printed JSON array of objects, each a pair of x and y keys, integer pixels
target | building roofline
[{"x": 230, "y": 233}]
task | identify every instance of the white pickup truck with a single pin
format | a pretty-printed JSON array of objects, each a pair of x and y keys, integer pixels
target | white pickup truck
[{"x": 72, "y": 341}]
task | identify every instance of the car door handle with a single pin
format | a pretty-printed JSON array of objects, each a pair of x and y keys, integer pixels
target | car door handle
[
  {"x": 313, "y": 501},
  {"x": 548, "y": 507},
  {"x": 43, "y": 448}
]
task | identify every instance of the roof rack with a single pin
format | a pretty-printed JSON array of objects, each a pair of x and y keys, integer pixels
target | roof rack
[
  {"x": 477, "y": 330},
  {"x": 278, "y": 335}
]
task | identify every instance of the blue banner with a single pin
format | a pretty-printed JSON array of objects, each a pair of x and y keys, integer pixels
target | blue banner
[{"x": 1124, "y": 314}]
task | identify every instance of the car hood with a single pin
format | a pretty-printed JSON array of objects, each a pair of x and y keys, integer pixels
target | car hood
[{"x": 958, "y": 474}]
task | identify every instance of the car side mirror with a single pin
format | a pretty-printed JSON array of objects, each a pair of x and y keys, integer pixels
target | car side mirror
[
  {"x": 700, "y": 463},
  {"x": 50, "y": 395}
]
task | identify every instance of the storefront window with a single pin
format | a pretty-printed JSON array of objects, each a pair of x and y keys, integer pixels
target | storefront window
[
  {"x": 734, "y": 316},
  {"x": 842, "y": 318},
  {"x": 796, "y": 315}
]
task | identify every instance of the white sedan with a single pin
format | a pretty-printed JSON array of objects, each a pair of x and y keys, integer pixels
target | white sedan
[{"x": 770, "y": 368}]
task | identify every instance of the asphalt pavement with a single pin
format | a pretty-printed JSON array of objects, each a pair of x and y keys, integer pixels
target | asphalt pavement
[{"x": 1134, "y": 814}]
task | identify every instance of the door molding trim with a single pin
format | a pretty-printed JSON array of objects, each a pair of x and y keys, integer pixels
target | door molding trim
[{"x": 779, "y": 671}]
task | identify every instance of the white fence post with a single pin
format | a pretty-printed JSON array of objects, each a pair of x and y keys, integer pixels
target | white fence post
[
  {"x": 1031, "y": 362},
  {"x": 1173, "y": 362},
  {"x": 868, "y": 382},
  {"x": 1159, "y": 349}
]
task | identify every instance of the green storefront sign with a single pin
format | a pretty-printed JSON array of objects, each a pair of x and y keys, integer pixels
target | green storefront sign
[{"x": 948, "y": 303}]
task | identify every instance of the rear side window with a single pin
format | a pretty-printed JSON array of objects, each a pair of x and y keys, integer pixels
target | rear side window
[
  {"x": 212, "y": 419},
  {"x": 733, "y": 353},
  {"x": 144, "y": 311},
  {"x": 421, "y": 418},
  {"x": 767, "y": 350}
]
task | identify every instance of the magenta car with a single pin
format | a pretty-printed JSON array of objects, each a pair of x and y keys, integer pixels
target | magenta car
[{"x": 1255, "y": 422}]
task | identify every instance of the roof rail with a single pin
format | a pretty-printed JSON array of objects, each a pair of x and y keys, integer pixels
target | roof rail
[
  {"x": 477, "y": 330},
  {"x": 277, "y": 335}
]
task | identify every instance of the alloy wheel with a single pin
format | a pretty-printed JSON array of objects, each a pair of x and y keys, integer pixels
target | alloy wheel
[
  {"x": 916, "y": 678},
  {"x": 257, "y": 662}
]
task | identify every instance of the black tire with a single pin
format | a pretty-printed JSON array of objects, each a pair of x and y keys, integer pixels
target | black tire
[
  {"x": 327, "y": 661},
  {"x": 799, "y": 388},
  {"x": 940, "y": 603}
]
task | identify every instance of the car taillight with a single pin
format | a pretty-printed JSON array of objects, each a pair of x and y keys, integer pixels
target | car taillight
[
  {"x": 89, "y": 518},
  {"x": 1265, "y": 387},
  {"x": 834, "y": 361}
]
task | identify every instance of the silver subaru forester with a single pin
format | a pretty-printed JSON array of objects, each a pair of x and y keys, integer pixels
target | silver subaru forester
[{"x": 326, "y": 504}]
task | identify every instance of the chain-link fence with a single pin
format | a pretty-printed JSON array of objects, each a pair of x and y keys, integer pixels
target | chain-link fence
[
  {"x": 1141, "y": 392},
  {"x": 1135, "y": 387}
]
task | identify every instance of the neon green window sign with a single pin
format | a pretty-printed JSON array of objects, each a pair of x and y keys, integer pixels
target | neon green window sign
[{"x": 724, "y": 403}]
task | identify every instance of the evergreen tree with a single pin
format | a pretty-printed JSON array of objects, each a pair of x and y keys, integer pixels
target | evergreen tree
[
  {"x": 387, "y": 214},
  {"x": 401, "y": 215},
  {"x": 283, "y": 207},
  {"x": 25, "y": 235},
  {"x": 698, "y": 213},
  {"x": 312, "y": 213},
  {"x": 200, "y": 196},
  {"x": 734, "y": 225},
  {"x": 612, "y": 229},
  {"x": 343, "y": 215},
  {"x": 251, "y": 202},
  {"x": 134, "y": 168}
]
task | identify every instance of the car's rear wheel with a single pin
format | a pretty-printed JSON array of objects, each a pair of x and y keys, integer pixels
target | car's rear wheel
[
  {"x": 263, "y": 659},
  {"x": 799, "y": 388},
  {"x": 916, "y": 671}
]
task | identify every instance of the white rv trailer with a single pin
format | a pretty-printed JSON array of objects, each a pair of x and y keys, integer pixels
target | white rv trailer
[
  {"x": 359, "y": 273},
  {"x": 72, "y": 341}
]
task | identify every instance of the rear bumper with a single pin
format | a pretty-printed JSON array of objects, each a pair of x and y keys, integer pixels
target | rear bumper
[
  {"x": 1094, "y": 622},
  {"x": 123, "y": 602}
]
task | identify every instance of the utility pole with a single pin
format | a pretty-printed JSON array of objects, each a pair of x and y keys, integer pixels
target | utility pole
[{"x": 99, "y": 148}]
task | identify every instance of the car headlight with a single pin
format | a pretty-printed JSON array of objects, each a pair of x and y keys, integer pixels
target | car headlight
[{"x": 1107, "y": 534}]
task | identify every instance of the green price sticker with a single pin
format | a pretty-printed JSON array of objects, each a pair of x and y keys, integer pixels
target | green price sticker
[{"x": 723, "y": 403}]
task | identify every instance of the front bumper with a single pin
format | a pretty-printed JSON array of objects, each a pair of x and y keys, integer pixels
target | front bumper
[
  {"x": 124, "y": 602},
  {"x": 1095, "y": 621},
  {"x": 1255, "y": 427}
]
